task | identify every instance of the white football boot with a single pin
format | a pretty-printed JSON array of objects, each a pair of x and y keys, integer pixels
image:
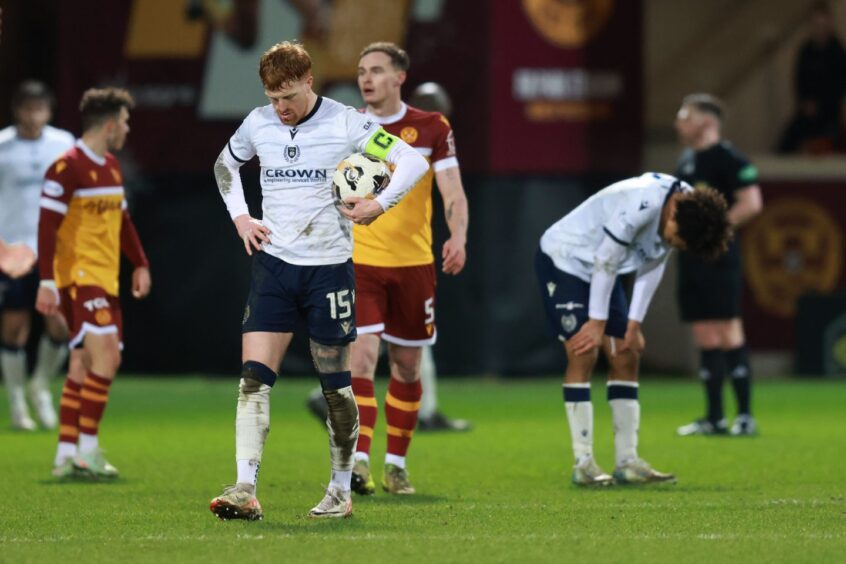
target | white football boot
[
  {"x": 336, "y": 503},
  {"x": 588, "y": 473},
  {"x": 638, "y": 471}
]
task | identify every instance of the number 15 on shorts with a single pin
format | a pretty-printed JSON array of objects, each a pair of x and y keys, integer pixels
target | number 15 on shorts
[{"x": 340, "y": 303}]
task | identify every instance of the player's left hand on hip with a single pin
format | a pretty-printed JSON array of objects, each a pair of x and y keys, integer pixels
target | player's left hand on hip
[
  {"x": 141, "y": 282},
  {"x": 252, "y": 231},
  {"x": 454, "y": 256},
  {"x": 363, "y": 211}
]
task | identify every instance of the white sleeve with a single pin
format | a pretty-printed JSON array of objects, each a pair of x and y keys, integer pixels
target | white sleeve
[
  {"x": 607, "y": 259},
  {"x": 360, "y": 129},
  {"x": 648, "y": 277},
  {"x": 227, "y": 173},
  {"x": 634, "y": 211},
  {"x": 240, "y": 145},
  {"x": 410, "y": 167}
]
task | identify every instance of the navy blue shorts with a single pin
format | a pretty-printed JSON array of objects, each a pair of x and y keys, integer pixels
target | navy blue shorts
[
  {"x": 323, "y": 296},
  {"x": 19, "y": 293},
  {"x": 566, "y": 298}
]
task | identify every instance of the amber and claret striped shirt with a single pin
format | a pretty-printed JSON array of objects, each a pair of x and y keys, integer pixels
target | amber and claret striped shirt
[
  {"x": 403, "y": 235},
  {"x": 84, "y": 223}
]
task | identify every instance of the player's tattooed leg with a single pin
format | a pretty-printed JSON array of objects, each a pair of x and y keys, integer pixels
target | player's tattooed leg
[
  {"x": 330, "y": 358},
  {"x": 332, "y": 363}
]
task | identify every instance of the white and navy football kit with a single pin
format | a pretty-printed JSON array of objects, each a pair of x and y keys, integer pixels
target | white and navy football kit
[
  {"x": 23, "y": 163},
  {"x": 616, "y": 231},
  {"x": 306, "y": 269}
]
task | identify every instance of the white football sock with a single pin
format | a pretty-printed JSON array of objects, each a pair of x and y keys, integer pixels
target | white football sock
[
  {"x": 626, "y": 417},
  {"x": 342, "y": 424},
  {"x": 580, "y": 420},
  {"x": 51, "y": 358},
  {"x": 247, "y": 471},
  {"x": 88, "y": 443},
  {"x": 395, "y": 460},
  {"x": 63, "y": 451},
  {"x": 429, "y": 382},
  {"x": 252, "y": 425},
  {"x": 13, "y": 365},
  {"x": 341, "y": 479}
]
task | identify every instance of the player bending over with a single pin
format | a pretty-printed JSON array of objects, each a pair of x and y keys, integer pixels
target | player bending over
[
  {"x": 630, "y": 226},
  {"x": 304, "y": 265}
]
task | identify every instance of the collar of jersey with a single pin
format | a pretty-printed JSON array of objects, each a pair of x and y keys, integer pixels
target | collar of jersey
[
  {"x": 89, "y": 153},
  {"x": 24, "y": 139},
  {"x": 385, "y": 120},
  {"x": 676, "y": 187},
  {"x": 312, "y": 112}
]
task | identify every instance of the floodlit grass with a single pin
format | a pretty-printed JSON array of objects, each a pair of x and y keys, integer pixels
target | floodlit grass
[{"x": 500, "y": 493}]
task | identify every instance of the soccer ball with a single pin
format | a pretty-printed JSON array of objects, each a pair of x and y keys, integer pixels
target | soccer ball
[{"x": 360, "y": 175}]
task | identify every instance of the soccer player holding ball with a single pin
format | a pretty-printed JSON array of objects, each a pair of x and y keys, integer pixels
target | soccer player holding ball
[
  {"x": 301, "y": 249},
  {"x": 628, "y": 227},
  {"x": 395, "y": 271}
]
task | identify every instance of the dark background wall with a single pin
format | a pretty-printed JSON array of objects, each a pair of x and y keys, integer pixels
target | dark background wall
[{"x": 543, "y": 116}]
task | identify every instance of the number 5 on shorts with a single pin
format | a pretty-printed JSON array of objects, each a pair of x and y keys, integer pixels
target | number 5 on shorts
[
  {"x": 339, "y": 300},
  {"x": 429, "y": 307}
]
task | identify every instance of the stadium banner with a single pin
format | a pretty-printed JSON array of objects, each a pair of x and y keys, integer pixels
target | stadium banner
[
  {"x": 793, "y": 248},
  {"x": 192, "y": 65},
  {"x": 566, "y": 86}
]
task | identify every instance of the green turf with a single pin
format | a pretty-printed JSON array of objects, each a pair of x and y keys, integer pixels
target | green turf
[{"x": 498, "y": 494}]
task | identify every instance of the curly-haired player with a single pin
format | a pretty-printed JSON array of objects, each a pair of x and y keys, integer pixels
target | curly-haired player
[{"x": 630, "y": 226}]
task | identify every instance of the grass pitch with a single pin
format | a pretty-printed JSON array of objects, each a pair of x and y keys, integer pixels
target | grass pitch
[{"x": 500, "y": 493}]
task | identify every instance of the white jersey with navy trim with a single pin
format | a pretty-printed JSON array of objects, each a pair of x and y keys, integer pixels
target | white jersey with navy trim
[
  {"x": 628, "y": 211},
  {"x": 23, "y": 163},
  {"x": 297, "y": 163}
]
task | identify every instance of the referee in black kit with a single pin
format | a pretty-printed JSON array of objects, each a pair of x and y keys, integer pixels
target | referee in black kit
[{"x": 709, "y": 292}]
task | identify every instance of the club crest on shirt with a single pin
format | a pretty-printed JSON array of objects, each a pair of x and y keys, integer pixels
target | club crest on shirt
[
  {"x": 409, "y": 134},
  {"x": 291, "y": 153}
]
